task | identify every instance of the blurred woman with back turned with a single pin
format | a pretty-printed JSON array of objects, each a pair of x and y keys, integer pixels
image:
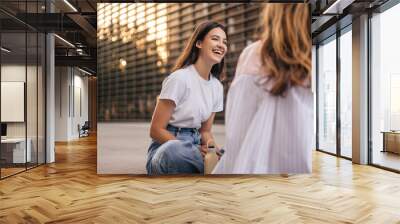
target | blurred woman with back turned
[{"x": 269, "y": 111}]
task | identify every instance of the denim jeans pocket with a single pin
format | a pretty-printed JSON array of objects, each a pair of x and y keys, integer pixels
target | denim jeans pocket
[{"x": 185, "y": 136}]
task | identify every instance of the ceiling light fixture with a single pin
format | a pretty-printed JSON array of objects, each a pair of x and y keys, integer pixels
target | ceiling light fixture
[
  {"x": 65, "y": 41},
  {"x": 337, "y": 7},
  {"x": 84, "y": 71},
  {"x": 5, "y": 50},
  {"x": 70, "y": 5}
]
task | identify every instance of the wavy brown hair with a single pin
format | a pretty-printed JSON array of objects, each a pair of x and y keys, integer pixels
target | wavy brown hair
[
  {"x": 286, "y": 45},
  {"x": 191, "y": 53}
]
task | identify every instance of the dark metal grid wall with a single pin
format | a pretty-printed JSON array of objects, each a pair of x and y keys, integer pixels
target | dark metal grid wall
[{"x": 149, "y": 37}]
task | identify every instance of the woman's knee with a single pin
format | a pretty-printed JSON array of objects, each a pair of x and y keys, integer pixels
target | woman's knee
[
  {"x": 167, "y": 151},
  {"x": 176, "y": 156},
  {"x": 175, "y": 150},
  {"x": 172, "y": 149}
]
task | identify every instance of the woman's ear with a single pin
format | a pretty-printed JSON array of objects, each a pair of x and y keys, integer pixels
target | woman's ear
[{"x": 198, "y": 44}]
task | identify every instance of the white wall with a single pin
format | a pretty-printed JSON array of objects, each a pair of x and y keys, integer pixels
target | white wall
[
  {"x": 13, "y": 73},
  {"x": 62, "y": 82},
  {"x": 33, "y": 127},
  {"x": 12, "y": 101},
  {"x": 81, "y": 89},
  {"x": 71, "y": 87},
  {"x": 16, "y": 73}
]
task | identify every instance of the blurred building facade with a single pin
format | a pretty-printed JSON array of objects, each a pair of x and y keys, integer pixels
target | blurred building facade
[{"x": 138, "y": 44}]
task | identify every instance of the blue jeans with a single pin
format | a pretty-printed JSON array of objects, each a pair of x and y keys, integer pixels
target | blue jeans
[{"x": 181, "y": 156}]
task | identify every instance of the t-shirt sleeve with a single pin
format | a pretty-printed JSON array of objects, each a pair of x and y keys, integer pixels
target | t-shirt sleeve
[
  {"x": 173, "y": 88},
  {"x": 219, "y": 102}
]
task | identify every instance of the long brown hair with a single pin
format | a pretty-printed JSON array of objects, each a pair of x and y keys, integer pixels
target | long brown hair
[
  {"x": 286, "y": 45},
  {"x": 191, "y": 53}
]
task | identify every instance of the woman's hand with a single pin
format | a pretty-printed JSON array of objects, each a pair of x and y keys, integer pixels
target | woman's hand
[
  {"x": 203, "y": 150},
  {"x": 207, "y": 139}
]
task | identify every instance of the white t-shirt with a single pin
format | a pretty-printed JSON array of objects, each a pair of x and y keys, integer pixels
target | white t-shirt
[{"x": 195, "y": 98}]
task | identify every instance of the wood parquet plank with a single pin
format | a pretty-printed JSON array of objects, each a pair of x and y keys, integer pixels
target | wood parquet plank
[{"x": 70, "y": 191}]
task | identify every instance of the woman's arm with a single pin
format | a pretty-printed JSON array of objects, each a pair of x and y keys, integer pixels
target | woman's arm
[
  {"x": 161, "y": 116},
  {"x": 206, "y": 136}
]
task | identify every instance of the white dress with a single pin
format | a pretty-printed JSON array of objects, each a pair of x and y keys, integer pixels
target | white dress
[{"x": 265, "y": 134}]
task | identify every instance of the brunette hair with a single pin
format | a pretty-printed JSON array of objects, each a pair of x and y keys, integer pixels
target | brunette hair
[
  {"x": 286, "y": 45},
  {"x": 191, "y": 53}
]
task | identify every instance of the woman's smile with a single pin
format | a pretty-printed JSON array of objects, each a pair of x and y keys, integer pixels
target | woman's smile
[{"x": 219, "y": 52}]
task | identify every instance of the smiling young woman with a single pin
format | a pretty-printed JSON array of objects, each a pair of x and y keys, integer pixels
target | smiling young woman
[{"x": 189, "y": 98}]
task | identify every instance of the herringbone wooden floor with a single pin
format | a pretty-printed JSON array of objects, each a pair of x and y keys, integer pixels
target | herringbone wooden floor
[{"x": 70, "y": 191}]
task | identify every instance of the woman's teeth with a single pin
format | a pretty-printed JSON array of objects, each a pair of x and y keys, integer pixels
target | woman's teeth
[{"x": 217, "y": 52}]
